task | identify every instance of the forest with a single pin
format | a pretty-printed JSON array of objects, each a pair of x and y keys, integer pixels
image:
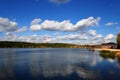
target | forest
[{"x": 9, "y": 44}]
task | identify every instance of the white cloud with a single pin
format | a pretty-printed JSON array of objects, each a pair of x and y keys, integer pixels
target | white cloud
[
  {"x": 98, "y": 36},
  {"x": 94, "y": 37},
  {"x": 24, "y": 28},
  {"x": 74, "y": 38},
  {"x": 55, "y": 25},
  {"x": 59, "y": 1},
  {"x": 111, "y": 23},
  {"x": 83, "y": 37},
  {"x": 109, "y": 37},
  {"x": 65, "y": 25},
  {"x": 91, "y": 21},
  {"x": 35, "y": 24},
  {"x": 7, "y": 25},
  {"x": 92, "y": 32},
  {"x": 35, "y": 21},
  {"x": 31, "y": 38},
  {"x": 35, "y": 27},
  {"x": 9, "y": 36},
  {"x": 70, "y": 38}
]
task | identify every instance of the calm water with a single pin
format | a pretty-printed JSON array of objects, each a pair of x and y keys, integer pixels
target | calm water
[{"x": 56, "y": 64}]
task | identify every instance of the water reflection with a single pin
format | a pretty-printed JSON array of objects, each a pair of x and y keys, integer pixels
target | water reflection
[
  {"x": 7, "y": 64},
  {"x": 62, "y": 64},
  {"x": 55, "y": 64},
  {"x": 118, "y": 60},
  {"x": 107, "y": 54},
  {"x": 110, "y": 56}
]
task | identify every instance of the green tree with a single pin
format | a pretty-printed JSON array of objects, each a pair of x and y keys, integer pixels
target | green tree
[{"x": 118, "y": 41}]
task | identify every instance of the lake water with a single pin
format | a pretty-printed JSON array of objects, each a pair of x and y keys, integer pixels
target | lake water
[{"x": 57, "y": 64}]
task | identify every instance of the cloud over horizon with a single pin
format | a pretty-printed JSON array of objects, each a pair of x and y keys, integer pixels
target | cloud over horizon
[
  {"x": 60, "y": 21},
  {"x": 65, "y": 25},
  {"x": 75, "y": 38},
  {"x": 78, "y": 33}
]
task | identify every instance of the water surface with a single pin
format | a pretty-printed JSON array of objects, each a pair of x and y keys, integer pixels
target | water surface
[{"x": 57, "y": 64}]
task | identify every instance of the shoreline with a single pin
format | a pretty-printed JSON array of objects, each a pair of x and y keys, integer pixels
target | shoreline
[{"x": 99, "y": 49}]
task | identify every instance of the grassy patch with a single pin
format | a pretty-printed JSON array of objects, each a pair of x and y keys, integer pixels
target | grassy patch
[{"x": 107, "y": 54}]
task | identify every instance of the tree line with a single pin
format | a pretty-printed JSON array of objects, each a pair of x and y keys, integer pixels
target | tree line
[
  {"x": 9, "y": 44},
  {"x": 118, "y": 40}
]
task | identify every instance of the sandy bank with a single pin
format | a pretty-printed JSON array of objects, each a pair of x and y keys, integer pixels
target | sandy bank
[{"x": 118, "y": 50}]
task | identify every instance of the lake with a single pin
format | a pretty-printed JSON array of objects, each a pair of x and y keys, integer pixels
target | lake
[{"x": 56, "y": 64}]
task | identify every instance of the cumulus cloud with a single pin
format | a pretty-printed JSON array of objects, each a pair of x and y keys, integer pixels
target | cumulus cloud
[
  {"x": 77, "y": 38},
  {"x": 109, "y": 37},
  {"x": 34, "y": 38},
  {"x": 7, "y": 25},
  {"x": 31, "y": 38},
  {"x": 35, "y": 21},
  {"x": 74, "y": 38},
  {"x": 92, "y": 32},
  {"x": 111, "y": 23},
  {"x": 65, "y": 25},
  {"x": 91, "y": 21},
  {"x": 97, "y": 36},
  {"x": 59, "y": 1},
  {"x": 9, "y": 36},
  {"x": 24, "y": 28},
  {"x": 70, "y": 38},
  {"x": 35, "y": 24},
  {"x": 93, "y": 37},
  {"x": 83, "y": 37}
]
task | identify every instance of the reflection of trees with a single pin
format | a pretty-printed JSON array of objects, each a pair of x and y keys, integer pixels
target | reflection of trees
[{"x": 107, "y": 54}]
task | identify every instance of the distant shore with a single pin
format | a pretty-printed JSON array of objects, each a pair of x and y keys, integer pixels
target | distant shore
[{"x": 117, "y": 50}]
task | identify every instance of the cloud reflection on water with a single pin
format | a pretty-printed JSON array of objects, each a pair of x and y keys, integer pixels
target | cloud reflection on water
[{"x": 49, "y": 63}]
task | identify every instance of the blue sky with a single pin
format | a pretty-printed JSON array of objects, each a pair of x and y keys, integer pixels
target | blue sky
[{"x": 60, "y": 21}]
